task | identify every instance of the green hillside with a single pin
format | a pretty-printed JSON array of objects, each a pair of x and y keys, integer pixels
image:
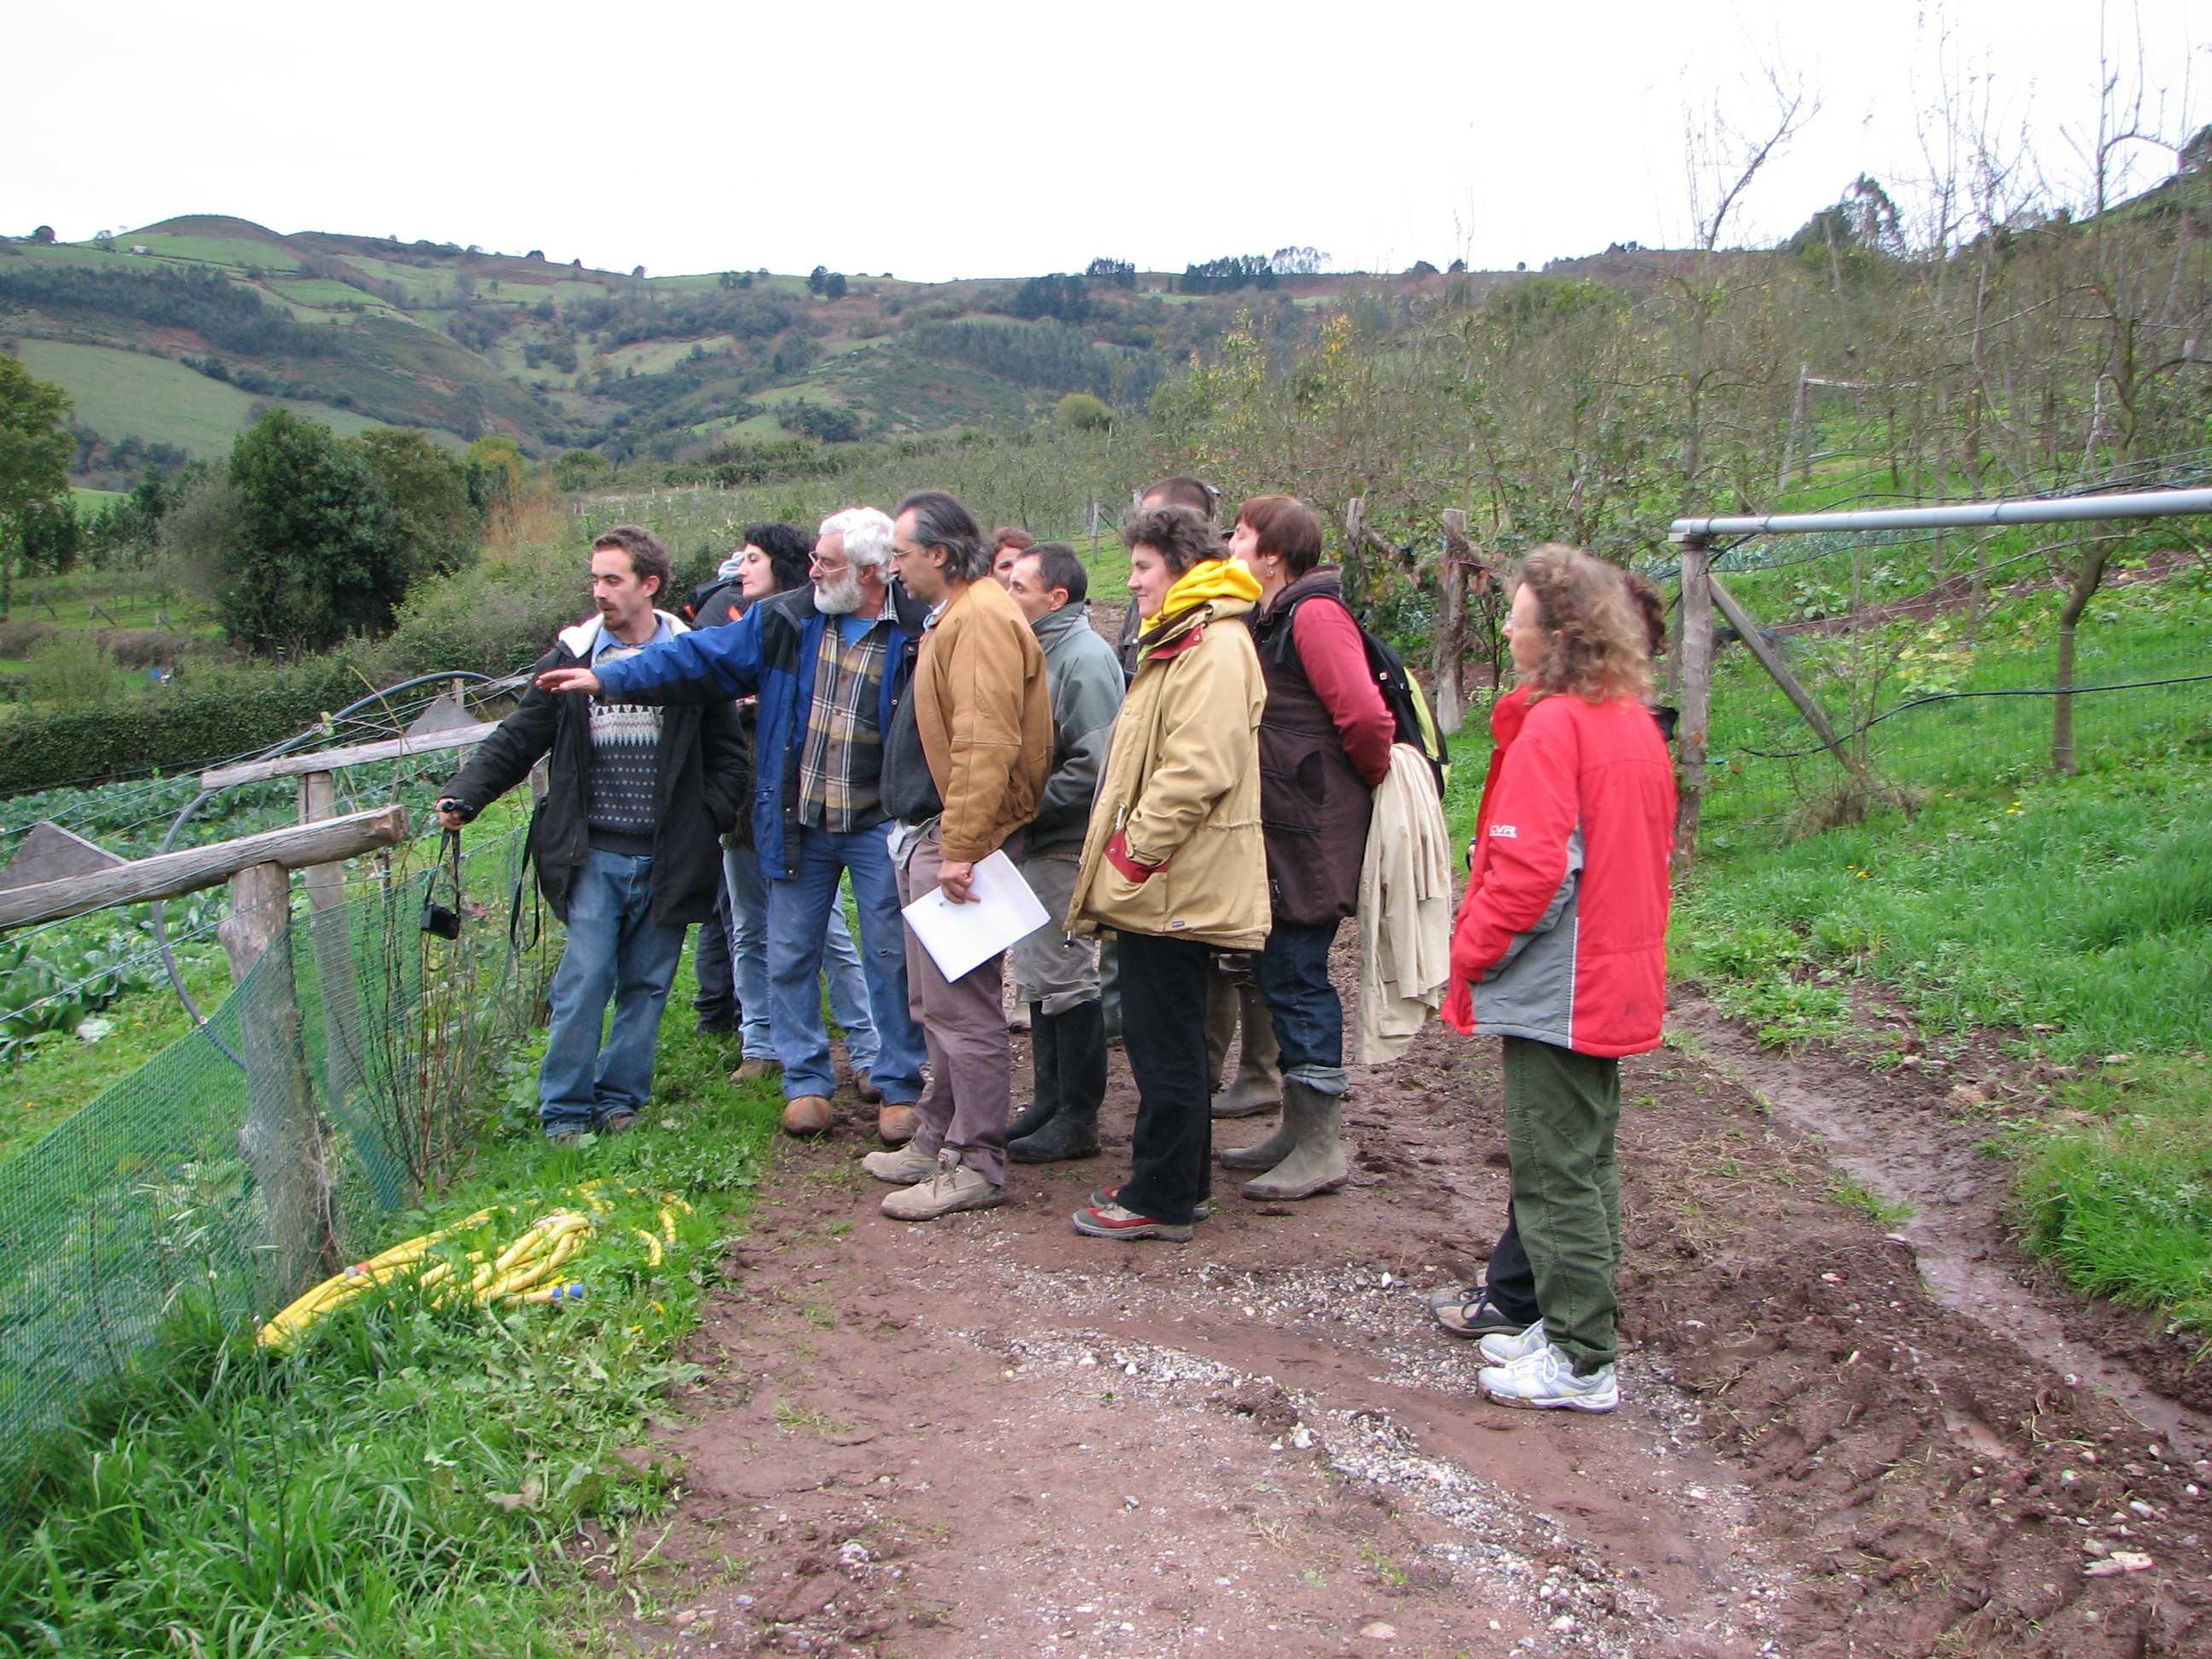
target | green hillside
[{"x": 169, "y": 338}]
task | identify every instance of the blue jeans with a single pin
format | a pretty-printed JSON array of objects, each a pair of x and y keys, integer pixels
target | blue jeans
[
  {"x": 1309, "y": 1020},
  {"x": 614, "y": 952},
  {"x": 848, "y": 988},
  {"x": 797, "y": 923}
]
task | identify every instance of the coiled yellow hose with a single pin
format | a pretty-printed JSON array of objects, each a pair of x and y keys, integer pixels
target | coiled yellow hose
[{"x": 518, "y": 1272}]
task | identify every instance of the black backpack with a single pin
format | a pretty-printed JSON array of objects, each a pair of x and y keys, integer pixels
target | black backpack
[{"x": 1402, "y": 693}]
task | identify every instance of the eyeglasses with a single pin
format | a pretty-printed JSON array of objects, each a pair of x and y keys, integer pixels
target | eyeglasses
[{"x": 821, "y": 568}]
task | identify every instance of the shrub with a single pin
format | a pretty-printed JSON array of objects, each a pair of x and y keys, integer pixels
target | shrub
[
  {"x": 1080, "y": 412},
  {"x": 71, "y": 669}
]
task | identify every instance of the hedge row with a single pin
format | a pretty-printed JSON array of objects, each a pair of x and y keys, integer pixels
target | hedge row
[{"x": 178, "y": 727}]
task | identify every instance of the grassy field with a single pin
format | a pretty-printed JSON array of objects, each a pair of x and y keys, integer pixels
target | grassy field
[
  {"x": 212, "y": 250},
  {"x": 89, "y": 501},
  {"x": 118, "y": 393},
  {"x": 123, "y": 600}
]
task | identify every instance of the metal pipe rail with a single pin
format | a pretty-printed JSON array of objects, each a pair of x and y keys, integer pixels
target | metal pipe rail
[{"x": 2061, "y": 509}]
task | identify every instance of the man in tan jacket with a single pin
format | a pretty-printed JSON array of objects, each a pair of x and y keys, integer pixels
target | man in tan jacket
[{"x": 980, "y": 712}]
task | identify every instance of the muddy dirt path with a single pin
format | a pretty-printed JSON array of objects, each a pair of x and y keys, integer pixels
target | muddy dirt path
[{"x": 989, "y": 1436}]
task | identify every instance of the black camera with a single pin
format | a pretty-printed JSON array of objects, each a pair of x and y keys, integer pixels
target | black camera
[{"x": 444, "y": 919}]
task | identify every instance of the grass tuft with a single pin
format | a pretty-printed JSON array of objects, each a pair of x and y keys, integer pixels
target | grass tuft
[{"x": 2122, "y": 1205}]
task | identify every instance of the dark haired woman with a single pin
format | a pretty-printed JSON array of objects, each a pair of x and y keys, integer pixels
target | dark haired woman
[{"x": 1173, "y": 862}]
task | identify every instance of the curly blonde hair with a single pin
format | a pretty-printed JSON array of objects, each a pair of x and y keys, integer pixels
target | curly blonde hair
[{"x": 1597, "y": 646}]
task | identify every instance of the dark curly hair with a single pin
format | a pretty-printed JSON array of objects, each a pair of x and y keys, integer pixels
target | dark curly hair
[
  {"x": 789, "y": 550},
  {"x": 1650, "y": 608},
  {"x": 1177, "y": 534}
]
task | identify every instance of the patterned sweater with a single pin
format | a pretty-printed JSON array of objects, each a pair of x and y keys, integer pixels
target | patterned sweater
[{"x": 625, "y": 768}]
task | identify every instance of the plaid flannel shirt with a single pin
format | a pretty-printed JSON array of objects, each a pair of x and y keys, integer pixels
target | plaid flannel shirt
[{"x": 841, "y": 764}]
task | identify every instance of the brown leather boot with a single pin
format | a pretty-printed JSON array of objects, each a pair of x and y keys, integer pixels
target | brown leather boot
[
  {"x": 806, "y": 1114},
  {"x": 897, "y": 1121}
]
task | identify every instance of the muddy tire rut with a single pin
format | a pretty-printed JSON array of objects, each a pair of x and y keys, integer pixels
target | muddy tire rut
[{"x": 989, "y": 1436}]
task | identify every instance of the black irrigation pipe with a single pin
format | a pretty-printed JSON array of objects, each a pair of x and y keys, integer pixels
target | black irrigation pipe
[{"x": 1953, "y": 697}]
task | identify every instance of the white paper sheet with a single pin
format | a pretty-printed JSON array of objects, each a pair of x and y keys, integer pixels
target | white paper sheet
[{"x": 960, "y": 937}]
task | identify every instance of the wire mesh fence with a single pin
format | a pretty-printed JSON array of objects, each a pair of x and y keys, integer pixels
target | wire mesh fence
[
  {"x": 1930, "y": 699},
  {"x": 148, "y": 1195}
]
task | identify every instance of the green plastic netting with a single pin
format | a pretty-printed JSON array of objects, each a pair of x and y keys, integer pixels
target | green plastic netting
[{"x": 147, "y": 1196}]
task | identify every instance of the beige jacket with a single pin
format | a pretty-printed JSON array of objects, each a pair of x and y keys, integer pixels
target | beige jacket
[
  {"x": 1181, "y": 787},
  {"x": 984, "y": 712},
  {"x": 1405, "y": 911}
]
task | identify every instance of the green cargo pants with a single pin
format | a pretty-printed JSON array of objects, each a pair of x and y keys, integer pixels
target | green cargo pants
[{"x": 1561, "y": 1111}]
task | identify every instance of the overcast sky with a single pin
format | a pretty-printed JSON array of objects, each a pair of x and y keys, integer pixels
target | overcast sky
[{"x": 985, "y": 139}]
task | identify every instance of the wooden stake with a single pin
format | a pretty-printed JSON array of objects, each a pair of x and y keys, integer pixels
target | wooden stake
[
  {"x": 1805, "y": 702},
  {"x": 330, "y": 936},
  {"x": 1450, "y": 649},
  {"x": 1695, "y": 651},
  {"x": 281, "y": 1138}
]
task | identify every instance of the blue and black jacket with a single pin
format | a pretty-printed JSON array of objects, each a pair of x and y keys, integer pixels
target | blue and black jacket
[{"x": 769, "y": 653}]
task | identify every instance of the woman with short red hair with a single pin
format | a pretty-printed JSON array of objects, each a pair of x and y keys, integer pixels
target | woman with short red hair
[{"x": 1324, "y": 745}]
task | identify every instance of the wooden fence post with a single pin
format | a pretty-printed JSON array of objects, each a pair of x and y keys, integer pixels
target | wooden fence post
[
  {"x": 330, "y": 933},
  {"x": 281, "y": 1138},
  {"x": 1696, "y": 652},
  {"x": 1447, "y": 660}
]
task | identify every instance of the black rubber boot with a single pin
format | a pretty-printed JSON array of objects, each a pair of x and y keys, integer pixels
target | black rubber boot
[
  {"x": 1078, "y": 1039},
  {"x": 1044, "y": 1073}
]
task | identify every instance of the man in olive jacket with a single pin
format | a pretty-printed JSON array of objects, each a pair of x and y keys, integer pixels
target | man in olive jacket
[{"x": 627, "y": 841}]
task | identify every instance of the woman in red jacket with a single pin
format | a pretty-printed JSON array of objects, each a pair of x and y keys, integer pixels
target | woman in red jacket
[{"x": 1560, "y": 949}]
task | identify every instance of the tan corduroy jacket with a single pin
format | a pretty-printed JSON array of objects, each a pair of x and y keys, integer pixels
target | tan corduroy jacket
[
  {"x": 1182, "y": 787},
  {"x": 983, "y": 709}
]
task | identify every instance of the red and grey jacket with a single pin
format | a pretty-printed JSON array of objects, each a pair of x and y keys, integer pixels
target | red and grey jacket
[{"x": 1562, "y": 934}]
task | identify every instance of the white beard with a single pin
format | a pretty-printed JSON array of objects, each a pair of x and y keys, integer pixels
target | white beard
[{"x": 840, "y": 598}]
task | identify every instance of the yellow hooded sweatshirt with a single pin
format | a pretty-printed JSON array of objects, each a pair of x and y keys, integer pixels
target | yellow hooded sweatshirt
[{"x": 1209, "y": 579}]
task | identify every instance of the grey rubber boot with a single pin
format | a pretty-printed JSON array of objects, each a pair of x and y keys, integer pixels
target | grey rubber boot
[
  {"x": 1258, "y": 1085},
  {"x": 1265, "y": 1156},
  {"x": 1316, "y": 1163}
]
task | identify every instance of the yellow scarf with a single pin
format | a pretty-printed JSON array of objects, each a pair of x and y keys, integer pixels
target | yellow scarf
[{"x": 1209, "y": 579}]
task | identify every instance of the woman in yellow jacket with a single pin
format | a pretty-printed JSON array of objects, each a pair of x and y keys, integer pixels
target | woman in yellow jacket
[{"x": 1173, "y": 864}]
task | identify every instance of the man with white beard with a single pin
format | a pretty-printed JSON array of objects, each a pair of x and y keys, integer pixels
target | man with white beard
[{"x": 829, "y": 663}]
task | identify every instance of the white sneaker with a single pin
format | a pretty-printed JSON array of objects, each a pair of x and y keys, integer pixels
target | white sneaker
[
  {"x": 1504, "y": 1349},
  {"x": 1545, "y": 1380},
  {"x": 902, "y": 1166}
]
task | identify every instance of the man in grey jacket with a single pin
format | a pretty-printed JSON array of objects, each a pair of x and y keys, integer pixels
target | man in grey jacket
[{"x": 1057, "y": 975}]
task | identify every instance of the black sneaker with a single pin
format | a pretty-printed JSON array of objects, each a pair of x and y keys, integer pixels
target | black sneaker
[{"x": 1467, "y": 1310}]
